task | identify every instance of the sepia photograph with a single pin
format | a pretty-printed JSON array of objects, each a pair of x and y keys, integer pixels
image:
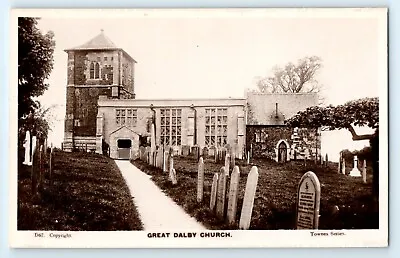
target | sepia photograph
[{"x": 199, "y": 128}]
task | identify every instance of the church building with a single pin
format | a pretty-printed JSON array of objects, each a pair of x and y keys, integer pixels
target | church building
[{"x": 104, "y": 115}]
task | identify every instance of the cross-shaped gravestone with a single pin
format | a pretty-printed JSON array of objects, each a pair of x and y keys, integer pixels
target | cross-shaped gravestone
[
  {"x": 355, "y": 172},
  {"x": 248, "y": 200}
]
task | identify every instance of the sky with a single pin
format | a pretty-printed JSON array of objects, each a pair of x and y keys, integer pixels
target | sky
[{"x": 203, "y": 55}]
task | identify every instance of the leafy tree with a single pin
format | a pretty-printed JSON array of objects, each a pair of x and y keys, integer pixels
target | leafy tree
[
  {"x": 293, "y": 78},
  {"x": 361, "y": 112},
  {"x": 35, "y": 62}
]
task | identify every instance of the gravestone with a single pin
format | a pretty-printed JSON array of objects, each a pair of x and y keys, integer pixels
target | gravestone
[
  {"x": 326, "y": 159},
  {"x": 27, "y": 146},
  {"x": 205, "y": 152},
  {"x": 216, "y": 153},
  {"x": 227, "y": 162},
  {"x": 165, "y": 161},
  {"x": 214, "y": 188},
  {"x": 196, "y": 152},
  {"x": 171, "y": 165},
  {"x": 248, "y": 200},
  {"x": 343, "y": 166},
  {"x": 200, "y": 180},
  {"x": 173, "y": 177},
  {"x": 221, "y": 193},
  {"x": 248, "y": 157},
  {"x": 308, "y": 201},
  {"x": 41, "y": 167},
  {"x": 185, "y": 150},
  {"x": 355, "y": 172},
  {"x": 232, "y": 157},
  {"x": 364, "y": 172},
  {"x": 340, "y": 163},
  {"x": 233, "y": 196},
  {"x": 211, "y": 151}
]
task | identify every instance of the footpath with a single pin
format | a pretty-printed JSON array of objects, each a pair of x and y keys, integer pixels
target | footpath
[{"x": 157, "y": 211}]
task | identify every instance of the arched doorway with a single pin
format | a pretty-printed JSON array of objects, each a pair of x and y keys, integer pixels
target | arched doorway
[
  {"x": 124, "y": 148},
  {"x": 282, "y": 151}
]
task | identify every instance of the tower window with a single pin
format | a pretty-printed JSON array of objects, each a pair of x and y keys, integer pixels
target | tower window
[
  {"x": 91, "y": 71},
  {"x": 96, "y": 71}
]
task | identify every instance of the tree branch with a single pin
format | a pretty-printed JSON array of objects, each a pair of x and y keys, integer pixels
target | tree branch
[{"x": 357, "y": 137}]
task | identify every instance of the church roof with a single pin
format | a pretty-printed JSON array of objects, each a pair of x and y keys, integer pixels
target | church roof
[{"x": 100, "y": 42}]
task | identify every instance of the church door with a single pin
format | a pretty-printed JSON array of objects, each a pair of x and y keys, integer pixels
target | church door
[
  {"x": 124, "y": 148},
  {"x": 282, "y": 152}
]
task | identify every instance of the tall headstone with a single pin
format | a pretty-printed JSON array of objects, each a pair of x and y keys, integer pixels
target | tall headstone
[
  {"x": 343, "y": 166},
  {"x": 232, "y": 157},
  {"x": 340, "y": 163},
  {"x": 364, "y": 171},
  {"x": 185, "y": 150},
  {"x": 173, "y": 177},
  {"x": 214, "y": 188},
  {"x": 171, "y": 165},
  {"x": 27, "y": 146},
  {"x": 152, "y": 143},
  {"x": 165, "y": 161},
  {"x": 35, "y": 166},
  {"x": 355, "y": 172},
  {"x": 205, "y": 152},
  {"x": 221, "y": 195},
  {"x": 200, "y": 180},
  {"x": 248, "y": 200},
  {"x": 41, "y": 167},
  {"x": 233, "y": 196},
  {"x": 308, "y": 202},
  {"x": 248, "y": 157},
  {"x": 227, "y": 163},
  {"x": 216, "y": 155},
  {"x": 326, "y": 159}
]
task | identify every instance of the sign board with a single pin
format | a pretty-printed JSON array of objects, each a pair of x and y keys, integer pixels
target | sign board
[{"x": 308, "y": 201}]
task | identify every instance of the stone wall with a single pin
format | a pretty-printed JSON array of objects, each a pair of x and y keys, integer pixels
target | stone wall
[{"x": 263, "y": 141}]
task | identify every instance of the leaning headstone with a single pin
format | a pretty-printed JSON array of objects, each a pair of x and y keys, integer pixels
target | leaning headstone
[
  {"x": 364, "y": 172},
  {"x": 27, "y": 146},
  {"x": 227, "y": 162},
  {"x": 355, "y": 172},
  {"x": 308, "y": 201},
  {"x": 248, "y": 200},
  {"x": 221, "y": 195},
  {"x": 200, "y": 180},
  {"x": 214, "y": 188},
  {"x": 233, "y": 196}
]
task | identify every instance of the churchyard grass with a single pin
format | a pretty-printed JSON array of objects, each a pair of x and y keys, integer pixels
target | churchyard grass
[
  {"x": 88, "y": 193},
  {"x": 275, "y": 198}
]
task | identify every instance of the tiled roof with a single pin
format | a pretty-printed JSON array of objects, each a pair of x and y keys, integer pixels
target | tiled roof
[{"x": 100, "y": 42}]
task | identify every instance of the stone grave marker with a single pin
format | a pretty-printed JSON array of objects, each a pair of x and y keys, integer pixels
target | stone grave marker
[
  {"x": 326, "y": 159},
  {"x": 221, "y": 193},
  {"x": 248, "y": 157},
  {"x": 364, "y": 171},
  {"x": 233, "y": 196},
  {"x": 205, "y": 152},
  {"x": 355, "y": 172},
  {"x": 27, "y": 146},
  {"x": 248, "y": 200},
  {"x": 343, "y": 166},
  {"x": 173, "y": 177},
  {"x": 211, "y": 151},
  {"x": 340, "y": 163},
  {"x": 196, "y": 152},
  {"x": 185, "y": 150},
  {"x": 214, "y": 188},
  {"x": 308, "y": 201},
  {"x": 227, "y": 163},
  {"x": 200, "y": 180},
  {"x": 232, "y": 157},
  {"x": 171, "y": 165},
  {"x": 41, "y": 167},
  {"x": 216, "y": 153},
  {"x": 165, "y": 161}
]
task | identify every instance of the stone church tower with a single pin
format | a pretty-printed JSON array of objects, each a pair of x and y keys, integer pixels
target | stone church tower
[{"x": 95, "y": 68}]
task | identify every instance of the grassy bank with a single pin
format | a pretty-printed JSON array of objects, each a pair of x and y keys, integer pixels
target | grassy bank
[
  {"x": 88, "y": 193},
  {"x": 275, "y": 200}
]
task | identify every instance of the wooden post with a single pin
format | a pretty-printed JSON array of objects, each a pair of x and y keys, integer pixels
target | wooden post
[{"x": 248, "y": 200}]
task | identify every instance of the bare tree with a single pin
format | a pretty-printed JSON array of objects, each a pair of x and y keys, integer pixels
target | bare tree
[{"x": 293, "y": 78}]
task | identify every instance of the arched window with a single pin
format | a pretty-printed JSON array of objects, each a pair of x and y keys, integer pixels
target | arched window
[
  {"x": 97, "y": 71},
  {"x": 91, "y": 70}
]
